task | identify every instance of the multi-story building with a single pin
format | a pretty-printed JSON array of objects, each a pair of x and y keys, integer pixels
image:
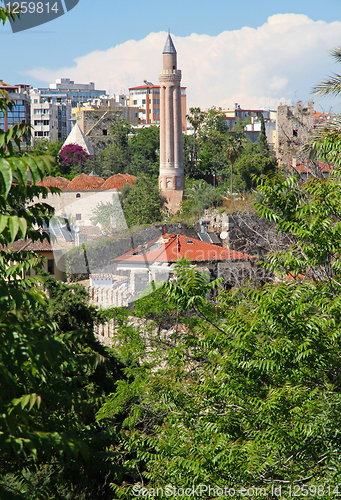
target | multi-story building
[
  {"x": 20, "y": 112},
  {"x": 147, "y": 98},
  {"x": 232, "y": 115},
  {"x": 44, "y": 118},
  {"x": 77, "y": 92},
  {"x": 60, "y": 104},
  {"x": 253, "y": 130}
]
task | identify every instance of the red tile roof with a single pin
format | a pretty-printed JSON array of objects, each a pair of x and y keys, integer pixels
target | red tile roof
[
  {"x": 324, "y": 167},
  {"x": 58, "y": 182},
  {"x": 117, "y": 181},
  {"x": 31, "y": 246},
  {"x": 84, "y": 182},
  {"x": 171, "y": 247}
]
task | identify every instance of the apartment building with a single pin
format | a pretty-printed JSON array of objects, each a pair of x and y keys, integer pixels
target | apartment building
[
  {"x": 45, "y": 110},
  {"x": 76, "y": 92},
  {"x": 20, "y": 112},
  {"x": 44, "y": 118},
  {"x": 232, "y": 115},
  {"x": 147, "y": 98}
]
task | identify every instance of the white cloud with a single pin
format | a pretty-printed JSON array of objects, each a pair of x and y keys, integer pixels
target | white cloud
[{"x": 279, "y": 61}]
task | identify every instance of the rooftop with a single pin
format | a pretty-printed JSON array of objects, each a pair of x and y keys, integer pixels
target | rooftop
[
  {"x": 117, "y": 181},
  {"x": 57, "y": 182},
  {"x": 84, "y": 182},
  {"x": 171, "y": 247}
]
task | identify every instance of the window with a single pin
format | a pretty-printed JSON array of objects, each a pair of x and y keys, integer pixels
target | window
[
  {"x": 78, "y": 195},
  {"x": 35, "y": 101},
  {"x": 78, "y": 216},
  {"x": 143, "y": 101},
  {"x": 105, "y": 132},
  {"x": 46, "y": 134},
  {"x": 135, "y": 102},
  {"x": 50, "y": 266}
]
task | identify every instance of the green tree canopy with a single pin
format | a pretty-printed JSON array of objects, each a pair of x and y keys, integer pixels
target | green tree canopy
[
  {"x": 142, "y": 203},
  {"x": 244, "y": 391}
]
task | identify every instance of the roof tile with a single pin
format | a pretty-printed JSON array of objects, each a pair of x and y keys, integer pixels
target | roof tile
[
  {"x": 84, "y": 182},
  {"x": 171, "y": 247}
]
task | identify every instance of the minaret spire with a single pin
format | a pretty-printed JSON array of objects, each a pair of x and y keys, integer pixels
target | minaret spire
[{"x": 171, "y": 180}]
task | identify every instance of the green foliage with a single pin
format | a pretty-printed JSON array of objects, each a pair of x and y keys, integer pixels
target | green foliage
[
  {"x": 144, "y": 148},
  {"x": 331, "y": 86},
  {"x": 244, "y": 390},
  {"x": 251, "y": 165},
  {"x": 262, "y": 143},
  {"x": 142, "y": 203},
  {"x": 48, "y": 148},
  {"x": 104, "y": 213},
  {"x": 199, "y": 197},
  {"x": 53, "y": 377}
]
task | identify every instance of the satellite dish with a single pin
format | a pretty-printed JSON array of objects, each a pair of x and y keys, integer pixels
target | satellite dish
[
  {"x": 76, "y": 229},
  {"x": 223, "y": 235}
]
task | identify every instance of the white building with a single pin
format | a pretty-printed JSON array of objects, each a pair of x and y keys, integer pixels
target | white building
[{"x": 44, "y": 117}]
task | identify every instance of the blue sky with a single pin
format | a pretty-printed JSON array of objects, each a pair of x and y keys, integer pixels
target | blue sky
[{"x": 117, "y": 44}]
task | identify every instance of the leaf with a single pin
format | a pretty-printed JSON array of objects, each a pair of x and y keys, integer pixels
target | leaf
[
  {"x": 6, "y": 174},
  {"x": 3, "y": 222},
  {"x": 23, "y": 226},
  {"x": 13, "y": 225}
]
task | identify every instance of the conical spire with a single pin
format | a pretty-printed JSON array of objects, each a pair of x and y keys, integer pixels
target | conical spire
[
  {"x": 76, "y": 136},
  {"x": 169, "y": 47}
]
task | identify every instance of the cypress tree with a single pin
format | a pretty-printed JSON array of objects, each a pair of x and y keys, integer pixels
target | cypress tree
[{"x": 262, "y": 142}]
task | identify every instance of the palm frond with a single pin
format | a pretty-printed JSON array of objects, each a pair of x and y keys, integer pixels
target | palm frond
[
  {"x": 327, "y": 87},
  {"x": 336, "y": 54}
]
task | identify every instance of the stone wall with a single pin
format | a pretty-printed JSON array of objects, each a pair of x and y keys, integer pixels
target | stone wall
[
  {"x": 109, "y": 297},
  {"x": 97, "y": 124},
  {"x": 295, "y": 125}
]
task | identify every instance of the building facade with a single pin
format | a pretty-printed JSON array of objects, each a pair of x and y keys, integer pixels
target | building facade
[
  {"x": 20, "y": 112},
  {"x": 231, "y": 116},
  {"x": 50, "y": 116},
  {"x": 147, "y": 98},
  {"x": 77, "y": 92}
]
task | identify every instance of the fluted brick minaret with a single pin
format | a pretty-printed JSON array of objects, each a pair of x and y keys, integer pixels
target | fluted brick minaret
[{"x": 171, "y": 180}]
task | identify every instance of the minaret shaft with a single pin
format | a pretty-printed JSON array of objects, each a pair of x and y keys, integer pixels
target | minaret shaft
[{"x": 171, "y": 180}]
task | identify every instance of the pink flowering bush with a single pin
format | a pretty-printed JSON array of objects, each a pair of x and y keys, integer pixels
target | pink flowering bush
[{"x": 72, "y": 158}]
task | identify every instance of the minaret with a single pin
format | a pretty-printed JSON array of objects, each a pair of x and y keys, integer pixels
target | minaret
[{"x": 171, "y": 180}]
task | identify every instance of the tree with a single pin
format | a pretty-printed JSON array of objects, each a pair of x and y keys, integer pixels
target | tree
[
  {"x": 48, "y": 148},
  {"x": 244, "y": 391},
  {"x": 331, "y": 86},
  {"x": 195, "y": 118},
  {"x": 144, "y": 151},
  {"x": 199, "y": 197},
  {"x": 232, "y": 149},
  {"x": 262, "y": 143},
  {"x": 72, "y": 158},
  {"x": 142, "y": 203},
  {"x": 109, "y": 215},
  {"x": 49, "y": 377},
  {"x": 251, "y": 164}
]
